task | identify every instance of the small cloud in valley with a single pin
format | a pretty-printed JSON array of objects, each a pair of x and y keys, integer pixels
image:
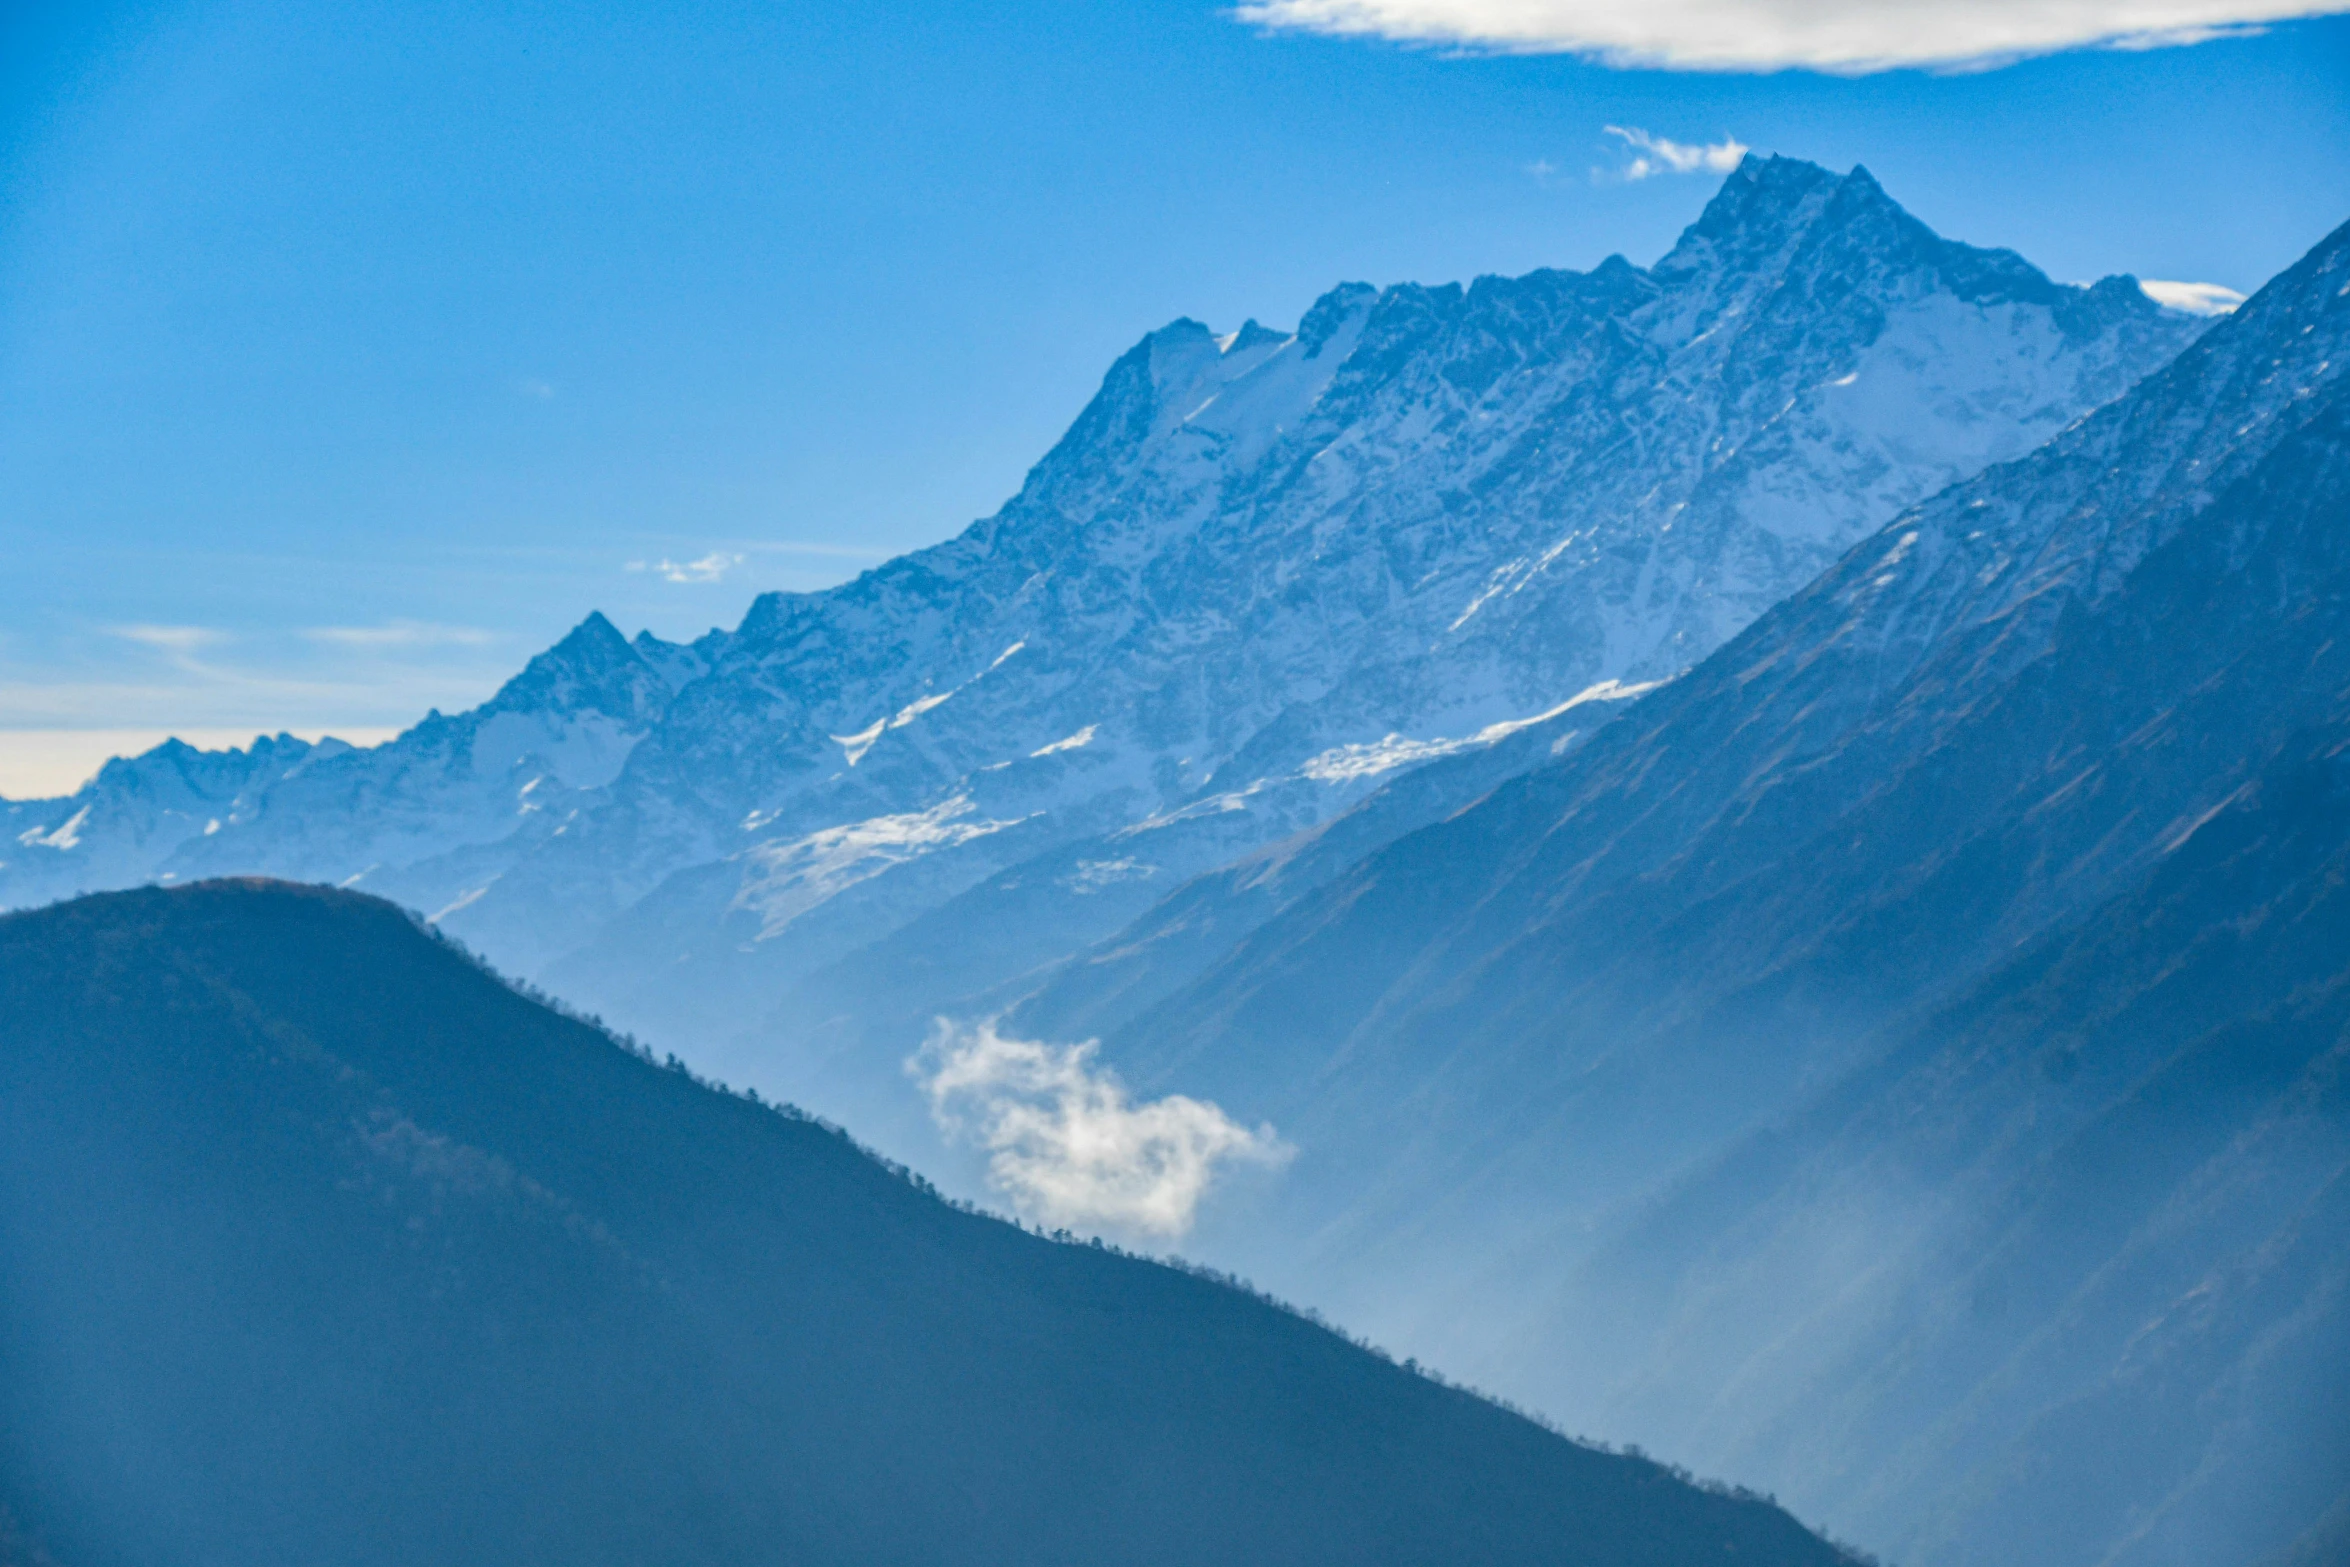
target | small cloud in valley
[
  {"x": 1069, "y": 1145},
  {"x": 1842, "y": 37}
]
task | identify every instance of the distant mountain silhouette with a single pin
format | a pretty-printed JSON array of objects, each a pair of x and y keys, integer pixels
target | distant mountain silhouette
[{"x": 319, "y": 1243}]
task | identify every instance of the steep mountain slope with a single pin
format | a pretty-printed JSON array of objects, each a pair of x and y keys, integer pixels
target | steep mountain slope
[
  {"x": 2066, "y": 1275},
  {"x": 317, "y": 1243},
  {"x": 1260, "y": 573},
  {"x": 2005, "y": 709}
]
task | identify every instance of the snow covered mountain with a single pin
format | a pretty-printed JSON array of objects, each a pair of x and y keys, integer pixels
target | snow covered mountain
[
  {"x": 1901, "y": 1061},
  {"x": 1261, "y": 573}
]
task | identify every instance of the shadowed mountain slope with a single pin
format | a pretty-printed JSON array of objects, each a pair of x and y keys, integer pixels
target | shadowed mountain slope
[
  {"x": 320, "y": 1244},
  {"x": 1986, "y": 722},
  {"x": 2064, "y": 1276}
]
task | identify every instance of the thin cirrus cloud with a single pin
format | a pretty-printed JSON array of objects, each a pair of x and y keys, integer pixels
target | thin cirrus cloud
[
  {"x": 180, "y": 641},
  {"x": 712, "y": 567},
  {"x": 1845, "y": 37},
  {"x": 1067, "y": 1144},
  {"x": 399, "y": 634},
  {"x": 1653, "y": 155}
]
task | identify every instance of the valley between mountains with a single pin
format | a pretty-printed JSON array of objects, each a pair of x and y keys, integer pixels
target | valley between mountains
[{"x": 1746, "y": 852}]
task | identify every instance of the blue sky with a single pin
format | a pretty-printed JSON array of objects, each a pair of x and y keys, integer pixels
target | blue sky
[{"x": 348, "y": 354}]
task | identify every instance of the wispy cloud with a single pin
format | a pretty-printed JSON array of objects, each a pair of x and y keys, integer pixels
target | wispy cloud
[
  {"x": 400, "y": 634},
  {"x": 1850, "y": 37},
  {"x": 1067, "y": 1144},
  {"x": 182, "y": 647},
  {"x": 2196, "y": 299},
  {"x": 1651, "y": 155},
  {"x": 190, "y": 678},
  {"x": 181, "y": 640},
  {"x": 712, "y": 567}
]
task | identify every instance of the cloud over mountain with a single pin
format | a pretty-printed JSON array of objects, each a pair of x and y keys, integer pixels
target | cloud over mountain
[{"x": 1659, "y": 155}]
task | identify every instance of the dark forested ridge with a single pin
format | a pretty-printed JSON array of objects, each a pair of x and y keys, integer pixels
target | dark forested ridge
[{"x": 320, "y": 1244}]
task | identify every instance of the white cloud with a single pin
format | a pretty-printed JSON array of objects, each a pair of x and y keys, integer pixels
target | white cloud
[
  {"x": 712, "y": 567},
  {"x": 181, "y": 646},
  {"x": 400, "y": 633},
  {"x": 1067, "y": 1145},
  {"x": 1850, "y": 37},
  {"x": 1657, "y": 155},
  {"x": 2196, "y": 299}
]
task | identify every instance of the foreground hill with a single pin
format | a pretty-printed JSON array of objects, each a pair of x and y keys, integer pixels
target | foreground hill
[
  {"x": 320, "y": 1244},
  {"x": 2040, "y": 691},
  {"x": 1261, "y": 572}
]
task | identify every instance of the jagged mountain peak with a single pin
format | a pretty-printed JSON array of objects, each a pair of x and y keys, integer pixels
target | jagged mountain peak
[
  {"x": 1765, "y": 188},
  {"x": 1253, "y": 334},
  {"x": 1329, "y": 313},
  {"x": 593, "y": 669},
  {"x": 1785, "y": 223},
  {"x": 1761, "y": 205},
  {"x": 593, "y": 647},
  {"x": 595, "y": 635}
]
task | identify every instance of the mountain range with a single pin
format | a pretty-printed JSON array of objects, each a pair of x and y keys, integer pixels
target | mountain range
[{"x": 1262, "y": 572}]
